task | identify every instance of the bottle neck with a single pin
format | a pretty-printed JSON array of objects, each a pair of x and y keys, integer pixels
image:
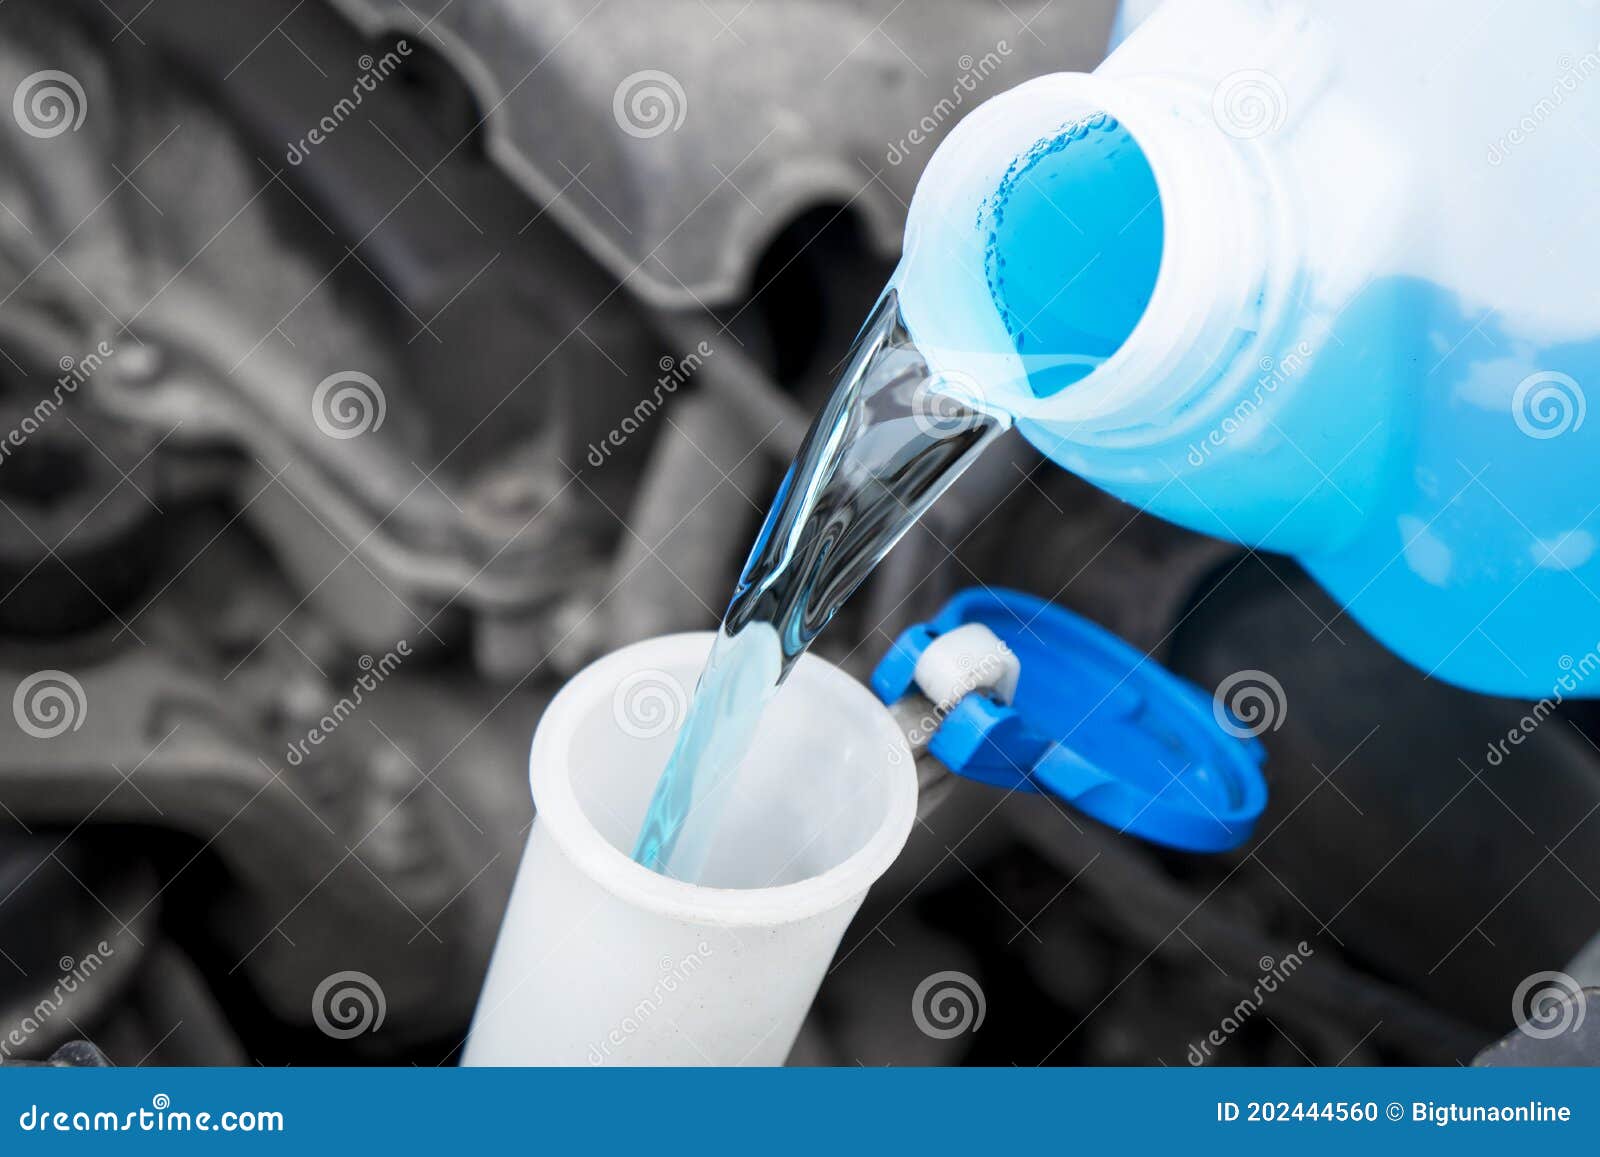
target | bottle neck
[
  {"x": 1222, "y": 282},
  {"x": 1220, "y": 287}
]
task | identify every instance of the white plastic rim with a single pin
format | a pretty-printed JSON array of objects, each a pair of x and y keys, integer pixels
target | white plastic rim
[
  {"x": 1214, "y": 247},
  {"x": 602, "y": 961},
  {"x": 836, "y": 701}
]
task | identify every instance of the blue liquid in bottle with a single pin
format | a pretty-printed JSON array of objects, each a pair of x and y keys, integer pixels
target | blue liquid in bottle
[
  {"x": 1074, "y": 245},
  {"x": 1427, "y": 456}
]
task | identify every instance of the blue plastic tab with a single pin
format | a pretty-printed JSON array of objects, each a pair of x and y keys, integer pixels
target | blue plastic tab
[{"x": 1094, "y": 723}]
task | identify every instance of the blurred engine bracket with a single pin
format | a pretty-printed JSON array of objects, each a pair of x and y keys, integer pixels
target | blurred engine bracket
[{"x": 657, "y": 109}]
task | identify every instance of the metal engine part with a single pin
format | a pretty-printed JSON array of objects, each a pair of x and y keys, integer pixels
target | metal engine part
[{"x": 757, "y": 137}]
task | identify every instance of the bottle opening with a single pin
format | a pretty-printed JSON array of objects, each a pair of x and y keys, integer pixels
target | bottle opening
[
  {"x": 1050, "y": 257},
  {"x": 1073, "y": 249}
]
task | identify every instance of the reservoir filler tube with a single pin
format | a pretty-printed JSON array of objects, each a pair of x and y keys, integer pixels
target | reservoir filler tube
[{"x": 601, "y": 961}]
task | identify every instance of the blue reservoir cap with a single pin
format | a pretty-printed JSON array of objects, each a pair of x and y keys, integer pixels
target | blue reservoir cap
[{"x": 1094, "y": 723}]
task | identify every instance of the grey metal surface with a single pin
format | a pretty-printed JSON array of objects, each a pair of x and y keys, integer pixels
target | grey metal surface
[
  {"x": 1572, "y": 1037},
  {"x": 749, "y": 114}
]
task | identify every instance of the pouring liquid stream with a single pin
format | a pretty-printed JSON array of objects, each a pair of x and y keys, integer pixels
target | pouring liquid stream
[
  {"x": 890, "y": 440},
  {"x": 896, "y": 434}
]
